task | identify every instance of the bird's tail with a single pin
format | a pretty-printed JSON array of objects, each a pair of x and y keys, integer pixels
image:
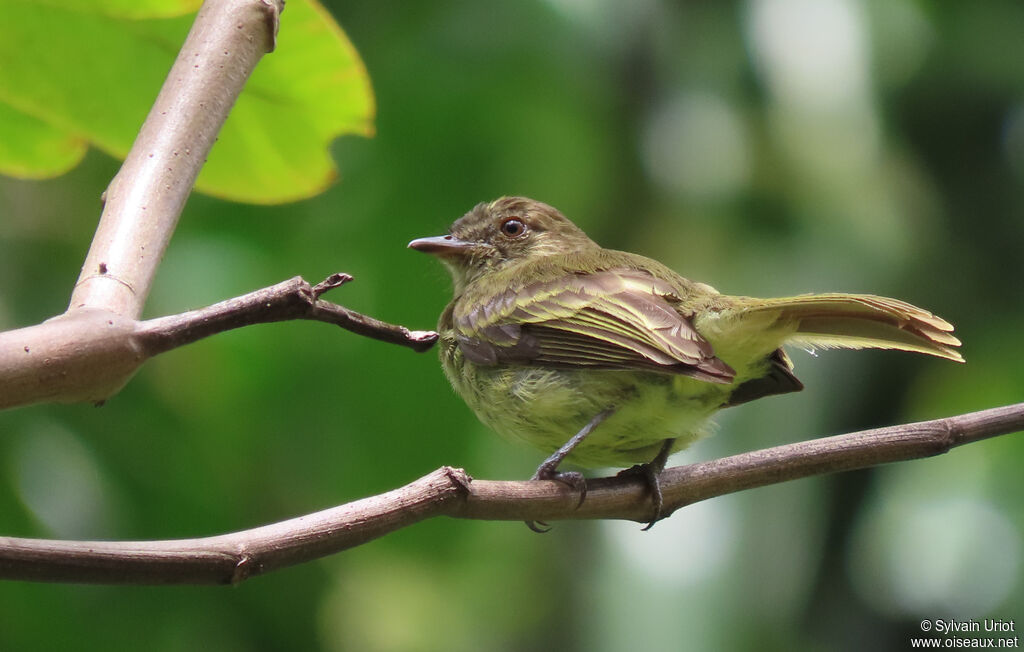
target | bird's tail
[{"x": 859, "y": 321}]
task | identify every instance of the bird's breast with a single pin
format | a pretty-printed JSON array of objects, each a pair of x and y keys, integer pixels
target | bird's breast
[{"x": 546, "y": 406}]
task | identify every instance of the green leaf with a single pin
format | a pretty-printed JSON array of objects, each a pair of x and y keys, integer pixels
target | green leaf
[
  {"x": 312, "y": 89},
  {"x": 131, "y": 8},
  {"x": 84, "y": 72},
  {"x": 33, "y": 149}
]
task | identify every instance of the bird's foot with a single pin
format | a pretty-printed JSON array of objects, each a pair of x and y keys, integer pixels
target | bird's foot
[
  {"x": 548, "y": 470},
  {"x": 650, "y": 471},
  {"x": 572, "y": 479},
  {"x": 650, "y": 477}
]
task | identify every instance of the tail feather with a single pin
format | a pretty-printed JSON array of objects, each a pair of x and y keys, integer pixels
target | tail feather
[{"x": 856, "y": 321}]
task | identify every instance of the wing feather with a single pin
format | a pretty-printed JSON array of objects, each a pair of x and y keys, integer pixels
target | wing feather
[{"x": 613, "y": 319}]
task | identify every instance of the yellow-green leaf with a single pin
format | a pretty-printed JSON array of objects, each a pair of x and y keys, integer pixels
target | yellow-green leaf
[
  {"x": 131, "y": 8},
  {"x": 81, "y": 70},
  {"x": 33, "y": 149},
  {"x": 312, "y": 89}
]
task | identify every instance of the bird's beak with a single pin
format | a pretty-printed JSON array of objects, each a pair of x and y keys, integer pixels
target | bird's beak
[{"x": 442, "y": 245}]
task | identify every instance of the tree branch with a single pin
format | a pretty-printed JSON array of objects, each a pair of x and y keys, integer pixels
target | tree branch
[
  {"x": 93, "y": 349},
  {"x": 90, "y": 354},
  {"x": 231, "y": 558},
  {"x": 145, "y": 199}
]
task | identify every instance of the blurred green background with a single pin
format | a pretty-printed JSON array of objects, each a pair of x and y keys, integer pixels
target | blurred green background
[{"x": 768, "y": 147}]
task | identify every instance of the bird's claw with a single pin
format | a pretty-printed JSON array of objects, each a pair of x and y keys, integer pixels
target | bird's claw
[
  {"x": 649, "y": 472},
  {"x": 572, "y": 479}
]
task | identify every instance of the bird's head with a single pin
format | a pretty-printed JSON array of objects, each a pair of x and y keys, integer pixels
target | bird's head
[{"x": 500, "y": 233}]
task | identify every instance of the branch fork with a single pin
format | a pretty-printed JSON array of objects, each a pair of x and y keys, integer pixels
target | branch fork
[{"x": 93, "y": 349}]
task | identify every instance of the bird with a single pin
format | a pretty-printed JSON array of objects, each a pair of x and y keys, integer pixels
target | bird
[{"x": 604, "y": 358}]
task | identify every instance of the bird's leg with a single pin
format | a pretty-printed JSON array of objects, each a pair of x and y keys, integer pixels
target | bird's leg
[
  {"x": 548, "y": 470},
  {"x": 650, "y": 471}
]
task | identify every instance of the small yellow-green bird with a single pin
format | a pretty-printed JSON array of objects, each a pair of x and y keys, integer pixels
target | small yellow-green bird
[{"x": 607, "y": 358}]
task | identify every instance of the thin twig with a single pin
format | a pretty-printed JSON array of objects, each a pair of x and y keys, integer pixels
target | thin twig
[
  {"x": 231, "y": 558},
  {"x": 291, "y": 299}
]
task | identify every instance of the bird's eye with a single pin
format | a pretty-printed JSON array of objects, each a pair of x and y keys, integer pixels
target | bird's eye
[{"x": 513, "y": 227}]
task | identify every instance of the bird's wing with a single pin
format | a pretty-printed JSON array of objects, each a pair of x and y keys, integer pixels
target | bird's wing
[{"x": 614, "y": 319}]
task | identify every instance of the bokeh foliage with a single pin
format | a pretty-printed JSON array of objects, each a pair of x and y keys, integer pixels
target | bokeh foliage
[{"x": 768, "y": 147}]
